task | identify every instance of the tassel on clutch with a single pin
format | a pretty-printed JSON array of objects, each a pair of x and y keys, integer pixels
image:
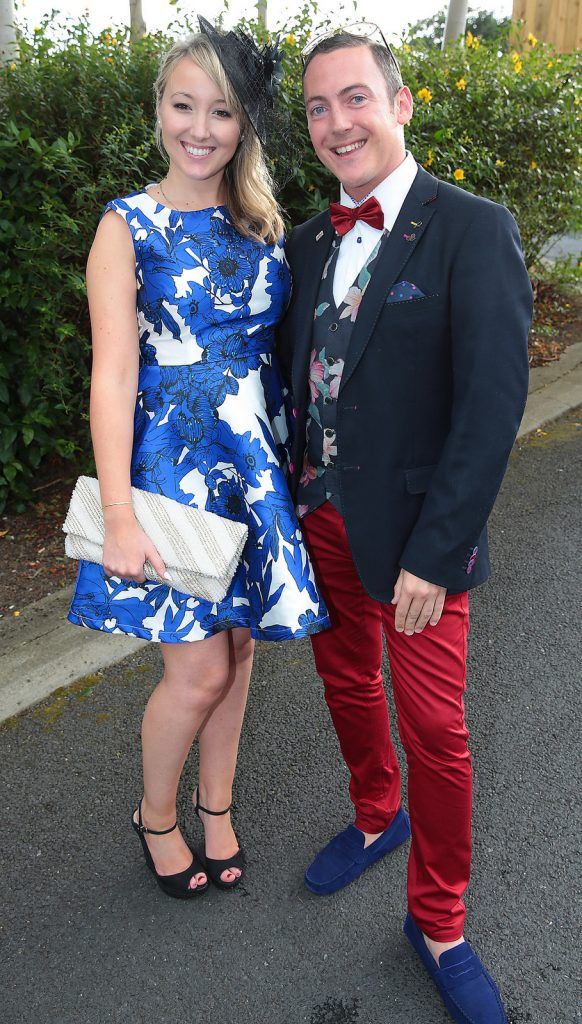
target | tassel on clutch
[{"x": 201, "y": 550}]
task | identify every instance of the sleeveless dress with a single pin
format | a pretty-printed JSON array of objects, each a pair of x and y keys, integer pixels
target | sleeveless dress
[{"x": 211, "y": 427}]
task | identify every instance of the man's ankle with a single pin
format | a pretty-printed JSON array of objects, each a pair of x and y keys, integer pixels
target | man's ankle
[{"x": 437, "y": 948}]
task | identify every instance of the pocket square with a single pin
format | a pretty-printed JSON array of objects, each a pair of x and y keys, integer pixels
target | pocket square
[{"x": 404, "y": 290}]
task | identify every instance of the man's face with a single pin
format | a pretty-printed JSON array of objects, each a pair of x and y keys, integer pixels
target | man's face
[{"x": 355, "y": 128}]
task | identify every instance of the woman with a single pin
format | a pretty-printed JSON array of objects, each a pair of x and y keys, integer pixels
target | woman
[{"x": 198, "y": 256}]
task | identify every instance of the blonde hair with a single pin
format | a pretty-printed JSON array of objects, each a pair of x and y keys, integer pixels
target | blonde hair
[{"x": 252, "y": 206}]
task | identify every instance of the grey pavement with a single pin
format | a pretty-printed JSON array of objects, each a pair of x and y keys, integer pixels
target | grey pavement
[
  {"x": 87, "y": 938},
  {"x": 40, "y": 653},
  {"x": 565, "y": 245}
]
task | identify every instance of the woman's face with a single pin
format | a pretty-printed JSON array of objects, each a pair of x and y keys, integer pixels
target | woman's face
[{"x": 199, "y": 130}]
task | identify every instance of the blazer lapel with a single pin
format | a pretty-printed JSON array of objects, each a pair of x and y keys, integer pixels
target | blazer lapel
[
  {"x": 315, "y": 252},
  {"x": 410, "y": 225}
]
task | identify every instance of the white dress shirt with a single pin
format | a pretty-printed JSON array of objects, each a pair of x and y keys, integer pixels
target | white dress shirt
[{"x": 358, "y": 244}]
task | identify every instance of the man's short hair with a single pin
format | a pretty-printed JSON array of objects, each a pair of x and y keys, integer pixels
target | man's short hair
[{"x": 381, "y": 54}]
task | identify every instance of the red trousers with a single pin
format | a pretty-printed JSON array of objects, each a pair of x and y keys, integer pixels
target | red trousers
[{"x": 428, "y": 679}]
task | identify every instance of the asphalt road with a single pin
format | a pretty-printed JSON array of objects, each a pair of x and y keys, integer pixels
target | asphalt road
[{"x": 86, "y": 936}]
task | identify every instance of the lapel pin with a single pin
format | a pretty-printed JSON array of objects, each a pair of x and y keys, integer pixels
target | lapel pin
[
  {"x": 416, "y": 223},
  {"x": 320, "y": 235},
  {"x": 410, "y": 238}
]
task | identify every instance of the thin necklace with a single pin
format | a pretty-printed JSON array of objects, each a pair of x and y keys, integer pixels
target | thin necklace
[{"x": 171, "y": 201}]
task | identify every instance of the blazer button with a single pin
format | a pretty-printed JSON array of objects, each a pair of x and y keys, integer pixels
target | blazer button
[
  {"x": 333, "y": 327},
  {"x": 328, "y": 400}
]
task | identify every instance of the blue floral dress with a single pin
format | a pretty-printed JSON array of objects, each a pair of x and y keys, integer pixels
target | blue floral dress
[{"x": 211, "y": 427}]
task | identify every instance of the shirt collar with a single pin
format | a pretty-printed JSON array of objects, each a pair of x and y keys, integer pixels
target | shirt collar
[{"x": 391, "y": 192}]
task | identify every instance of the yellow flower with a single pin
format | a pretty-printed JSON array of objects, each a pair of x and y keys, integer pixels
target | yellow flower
[
  {"x": 550, "y": 64},
  {"x": 311, "y": 188},
  {"x": 517, "y": 66},
  {"x": 532, "y": 39},
  {"x": 424, "y": 94},
  {"x": 469, "y": 38},
  {"x": 114, "y": 42},
  {"x": 429, "y": 160},
  {"x": 473, "y": 41},
  {"x": 291, "y": 39},
  {"x": 461, "y": 84},
  {"x": 515, "y": 56},
  {"x": 406, "y": 47},
  {"x": 458, "y": 174},
  {"x": 13, "y": 67},
  {"x": 110, "y": 60},
  {"x": 533, "y": 166},
  {"x": 500, "y": 163}
]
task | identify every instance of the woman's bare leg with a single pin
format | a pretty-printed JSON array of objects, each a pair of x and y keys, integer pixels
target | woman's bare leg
[
  {"x": 219, "y": 740},
  {"x": 195, "y": 676}
]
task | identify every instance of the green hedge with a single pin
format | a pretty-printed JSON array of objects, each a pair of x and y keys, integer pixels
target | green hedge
[{"x": 76, "y": 128}]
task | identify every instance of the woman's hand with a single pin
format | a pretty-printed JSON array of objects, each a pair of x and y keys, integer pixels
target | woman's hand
[{"x": 127, "y": 547}]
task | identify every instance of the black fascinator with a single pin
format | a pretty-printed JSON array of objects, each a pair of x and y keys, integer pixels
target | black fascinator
[{"x": 255, "y": 74}]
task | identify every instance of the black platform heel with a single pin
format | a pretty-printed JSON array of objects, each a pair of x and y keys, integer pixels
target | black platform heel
[
  {"x": 214, "y": 867},
  {"x": 177, "y": 885}
]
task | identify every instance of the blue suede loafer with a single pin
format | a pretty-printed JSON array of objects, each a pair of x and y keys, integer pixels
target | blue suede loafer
[
  {"x": 467, "y": 990},
  {"x": 344, "y": 858}
]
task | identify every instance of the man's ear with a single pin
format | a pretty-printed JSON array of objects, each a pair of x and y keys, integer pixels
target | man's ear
[{"x": 404, "y": 105}]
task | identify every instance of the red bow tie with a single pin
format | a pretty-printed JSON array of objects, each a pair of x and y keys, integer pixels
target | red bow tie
[{"x": 343, "y": 218}]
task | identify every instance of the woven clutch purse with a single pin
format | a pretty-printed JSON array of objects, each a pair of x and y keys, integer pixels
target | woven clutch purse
[{"x": 200, "y": 549}]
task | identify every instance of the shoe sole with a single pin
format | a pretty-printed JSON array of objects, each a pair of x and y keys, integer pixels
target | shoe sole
[{"x": 401, "y": 835}]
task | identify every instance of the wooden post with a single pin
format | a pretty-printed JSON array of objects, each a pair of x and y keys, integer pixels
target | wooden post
[{"x": 558, "y": 22}]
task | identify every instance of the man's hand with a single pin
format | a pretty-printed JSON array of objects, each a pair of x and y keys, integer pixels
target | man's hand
[{"x": 417, "y": 602}]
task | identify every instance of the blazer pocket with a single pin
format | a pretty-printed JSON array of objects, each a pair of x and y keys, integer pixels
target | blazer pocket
[
  {"x": 418, "y": 480},
  {"x": 404, "y": 291}
]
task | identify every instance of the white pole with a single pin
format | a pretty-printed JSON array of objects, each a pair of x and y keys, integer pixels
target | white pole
[
  {"x": 8, "y": 40},
  {"x": 456, "y": 21},
  {"x": 137, "y": 24},
  {"x": 262, "y": 12}
]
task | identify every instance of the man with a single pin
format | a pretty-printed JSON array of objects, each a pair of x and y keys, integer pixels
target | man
[{"x": 406, "y": 348}]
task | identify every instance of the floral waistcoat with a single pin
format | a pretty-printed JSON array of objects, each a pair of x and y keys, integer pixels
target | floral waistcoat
[{"x": 332, "y": 330}]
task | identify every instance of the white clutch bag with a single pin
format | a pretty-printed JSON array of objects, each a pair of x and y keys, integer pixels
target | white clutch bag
[{"x": 200, "y": 549}]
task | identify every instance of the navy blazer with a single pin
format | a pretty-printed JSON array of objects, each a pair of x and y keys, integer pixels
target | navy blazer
[{"x": 433, "y": 387}]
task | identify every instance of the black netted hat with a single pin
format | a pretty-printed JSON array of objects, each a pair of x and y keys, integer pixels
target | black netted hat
[{"x": 255, "y": 74}]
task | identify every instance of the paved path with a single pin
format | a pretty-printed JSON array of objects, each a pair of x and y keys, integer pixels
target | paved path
[{"x": 87, "y": 938}]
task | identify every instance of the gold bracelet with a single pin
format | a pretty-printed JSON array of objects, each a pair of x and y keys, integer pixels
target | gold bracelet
[{"x": 111, "y": 503}]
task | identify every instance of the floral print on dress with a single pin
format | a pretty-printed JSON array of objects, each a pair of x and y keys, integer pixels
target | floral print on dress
[{"x": 210, "y": 427}]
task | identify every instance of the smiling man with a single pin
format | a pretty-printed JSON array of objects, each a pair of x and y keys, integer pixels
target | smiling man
[{"x": 405, "y": 345}]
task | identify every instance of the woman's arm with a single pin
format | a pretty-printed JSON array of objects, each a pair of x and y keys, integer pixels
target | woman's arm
[{"x": 111, "y": 290}]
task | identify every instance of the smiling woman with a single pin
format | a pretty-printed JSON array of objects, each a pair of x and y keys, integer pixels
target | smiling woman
[
  {"x": 204, "y": 131},
  {"x": 187, "y": 281}
]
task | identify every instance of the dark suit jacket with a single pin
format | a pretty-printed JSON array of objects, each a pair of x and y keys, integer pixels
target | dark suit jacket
[{"x": 433, "y": 388}]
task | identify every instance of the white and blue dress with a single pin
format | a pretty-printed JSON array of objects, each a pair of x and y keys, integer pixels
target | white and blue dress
[{"x": 211, "y": 427}]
